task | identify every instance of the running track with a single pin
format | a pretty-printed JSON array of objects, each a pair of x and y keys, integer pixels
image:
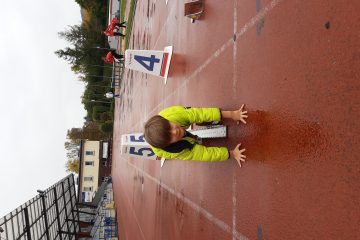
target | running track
[{"x": 296, "y": 65}]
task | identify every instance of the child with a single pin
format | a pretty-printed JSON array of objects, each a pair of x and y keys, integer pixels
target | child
[{"x": 167, "y": 136}]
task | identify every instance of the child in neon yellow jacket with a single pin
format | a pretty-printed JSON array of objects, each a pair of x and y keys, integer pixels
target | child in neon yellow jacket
[{"x": 168, "y": 138}]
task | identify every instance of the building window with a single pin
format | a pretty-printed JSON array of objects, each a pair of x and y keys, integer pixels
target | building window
[
  {"x": 89, "y": 163},
  {"x": 88, "y": 179},
  {"x": 104, "y": 163},
  {"x": 88, "y": 189},
  {"x": 89, "y": 153}
]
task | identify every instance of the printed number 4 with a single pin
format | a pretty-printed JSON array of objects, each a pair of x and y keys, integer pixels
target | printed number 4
[{"x": 147, "y": 62}]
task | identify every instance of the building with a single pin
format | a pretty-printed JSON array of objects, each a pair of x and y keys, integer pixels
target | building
[
  {"x": 95, "y": 191},
  {"x": 94, "y": 167}
]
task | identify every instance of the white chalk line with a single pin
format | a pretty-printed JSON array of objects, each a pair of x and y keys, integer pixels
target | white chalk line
[
  {"x": 163, "y": 26},
  {"x": 234, "y": 93},
  {"x": 137, "y": 221},
  {"x": 222, "y": 225},
  {"x": 234, "y": 50},
  {"x": 235, "y": 233}
]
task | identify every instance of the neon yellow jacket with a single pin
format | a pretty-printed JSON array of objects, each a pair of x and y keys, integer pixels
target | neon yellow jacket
[{"x": 185, "y": 117}]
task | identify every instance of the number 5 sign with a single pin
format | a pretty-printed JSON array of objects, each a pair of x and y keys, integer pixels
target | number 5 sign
[
  {"x": 135, "y": 145},
  {"x": 149, "y": 61}
]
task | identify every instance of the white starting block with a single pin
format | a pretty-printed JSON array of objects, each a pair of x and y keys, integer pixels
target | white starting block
[
  {"x": 149, "y": 61},
  {"x": 211, "y": 131},
  {"x": 134, "y": 144}
]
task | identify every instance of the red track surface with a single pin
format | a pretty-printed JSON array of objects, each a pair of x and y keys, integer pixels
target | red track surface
[{"x": 296, "y": 65}]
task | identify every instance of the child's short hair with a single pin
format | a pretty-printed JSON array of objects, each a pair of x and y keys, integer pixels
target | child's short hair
[{"x": 157, "y": 132}]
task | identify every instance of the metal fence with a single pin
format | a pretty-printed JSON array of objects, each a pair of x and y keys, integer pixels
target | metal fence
[
  {"x": 51, "y": 214},
  {"x": 118, "y": 71}
]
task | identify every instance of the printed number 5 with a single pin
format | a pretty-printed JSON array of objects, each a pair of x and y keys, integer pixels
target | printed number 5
[
  {"x": 133, "y": 138},
  {"x": 147, "y": 62},
  {"x": 140, "y": 151}
]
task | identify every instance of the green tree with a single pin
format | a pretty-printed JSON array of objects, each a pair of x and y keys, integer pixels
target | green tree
[
  {"x": 83, "y": 55},
  {"x": 107, "y": 127},
  {"x": 97, "y": 111},
  {"x": 105, "y": 116},
  {"x": 90, "y": 131}
]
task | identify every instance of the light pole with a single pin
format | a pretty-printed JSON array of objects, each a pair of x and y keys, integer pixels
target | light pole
[
  {"x": 93, "y": 65},
  {"x": 98, "y": 86},
  {"x": 98, "y": 76},
  {"x": 97, "y": 47},
  {"x": 92, "y": 100}
]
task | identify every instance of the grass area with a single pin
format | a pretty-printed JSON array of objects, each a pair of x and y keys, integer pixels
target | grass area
[
  {"x": 130, "y": 22},
  {"x": 125, "y": 42},
  {"x": 122, "y": 10}
]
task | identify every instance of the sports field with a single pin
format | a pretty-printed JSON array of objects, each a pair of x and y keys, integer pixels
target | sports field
[{"x": 296, "y": 66}]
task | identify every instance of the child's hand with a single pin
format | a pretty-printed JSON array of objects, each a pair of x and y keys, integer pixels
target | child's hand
[
  {"x": 237, "y": 154},
  {"x": 240, "y": 115}
]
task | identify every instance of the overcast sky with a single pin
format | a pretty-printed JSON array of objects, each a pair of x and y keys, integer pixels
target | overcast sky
[{"x": 40, "y": 97}]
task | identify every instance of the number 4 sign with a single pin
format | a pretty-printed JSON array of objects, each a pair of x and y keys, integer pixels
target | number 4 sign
[{"x": 149, "y": 61}]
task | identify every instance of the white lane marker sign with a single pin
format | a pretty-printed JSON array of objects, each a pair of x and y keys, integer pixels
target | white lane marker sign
[{"x": 150, "y": 61}]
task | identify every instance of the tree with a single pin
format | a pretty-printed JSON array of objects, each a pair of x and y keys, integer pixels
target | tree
[
  {"x": 72, "y": 165},
  {"x": 89, "y": 131},
  {"x": 84, "y": 55},
  {"x": 107, "y": 127},
  {"x": 105, "y": 116},
  {"x": 70, "y": 145},
  {"x": 77, "y": 35},
  {"x": 73, "y": 148},
  {"x": 83, "y": 39},
  {"x": 97, "y": 111}
]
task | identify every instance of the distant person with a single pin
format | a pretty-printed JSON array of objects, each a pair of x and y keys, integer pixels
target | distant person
[
  {"x": 113, "y": 56},
  {"x": 115, "y": 25},
  {"x": 113, "y": 33},
  {"x": 111, "y": 95},
  {"x": 168, "y": 138}
]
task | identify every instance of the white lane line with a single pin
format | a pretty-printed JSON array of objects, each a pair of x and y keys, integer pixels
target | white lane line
[
  {"x": 234, "y": 88},
  {"x": 235, "y": 236},
  {"x": 222, "y": 225},
  {"x": 133, "y": 211},
  {"x": 164, "y": 25},
  {"x": 261, "y": 14}
]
